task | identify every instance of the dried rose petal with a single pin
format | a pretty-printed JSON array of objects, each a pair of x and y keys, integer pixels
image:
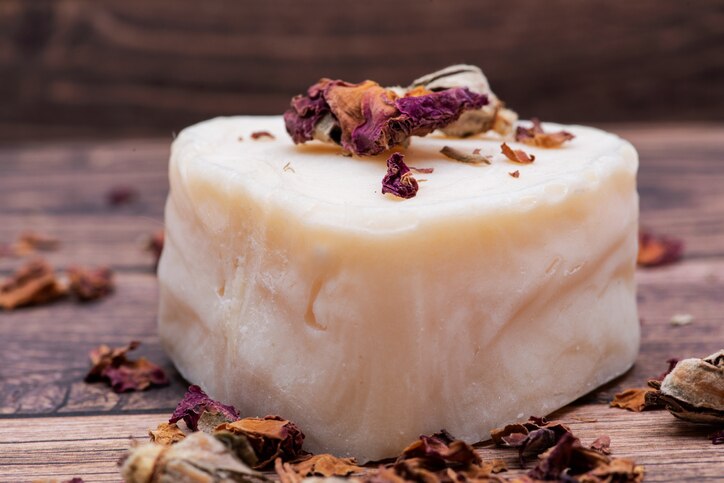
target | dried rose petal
[
  {"x": 602, "y": 444},
  {"x": 399, "y": 181},
  {"x": 326, "y": 465},
  {"x": 195, "y": 403},
  {"x": 457, "y": 155},
  {"x": 517, "y": 156},
  {"x": 155, "y": 245},
  {"x": 533, "y": 436},
  {"x": 672, "y": 363},
  {"x": 121, "y": 195},
  {"x": 90, "y": 284},
  {"x": 367, "y": 119},
  {"x": 535, "y": 136},
  {"x": 422, "y": 170},
  {"x": 30, "y": 242},
  {"x": 121, "y": 373},
  {"x": 634, "y": 399},
  {"x": 34, "y": 283},
  {"x": 166, "y": 434},
  {"x": 256, "y": 135},
  {"x": 271, "y": 437},
  {"x": 655, "y": 250},
  {"x": 438, "y": 451}
]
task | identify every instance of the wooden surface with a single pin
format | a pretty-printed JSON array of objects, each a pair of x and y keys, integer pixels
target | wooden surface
[
  {"x": 111, "y": 67},
  {"x": 52, "y": 424}
]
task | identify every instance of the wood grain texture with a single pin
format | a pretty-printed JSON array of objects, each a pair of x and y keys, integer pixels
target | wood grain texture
[
  {"x": 89, "y": 67},
  {"x": 54, "y": 425}
]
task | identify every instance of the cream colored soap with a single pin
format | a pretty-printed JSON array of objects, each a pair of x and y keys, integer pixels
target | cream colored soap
[{"x": 290, "y": 285}]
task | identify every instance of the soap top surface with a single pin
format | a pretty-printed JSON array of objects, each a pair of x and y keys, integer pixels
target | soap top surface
[{"x": 320, "y": 184}]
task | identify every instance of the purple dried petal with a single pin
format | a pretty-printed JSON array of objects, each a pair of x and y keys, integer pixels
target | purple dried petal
[
  {"x": 194, "y": 403},
  {"x": 420, "y": 115},
  {"x": 399, "y": 180},
  {"x": 306, "y": 112}
]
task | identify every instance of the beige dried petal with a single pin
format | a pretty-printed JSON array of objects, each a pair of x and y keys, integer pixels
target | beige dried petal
[{"x": 166, "y": 434}]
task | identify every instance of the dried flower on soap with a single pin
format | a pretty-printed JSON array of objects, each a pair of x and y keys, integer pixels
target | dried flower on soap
[
  {"x": 121, "y": 373},
  {"x": 262, "y": 134},
  {"x": 693, "y": 390},
  {"x": 270, "y": 437},
  {"x": 199, "y": 457},
  {"x": 569, "y": 461},
  {"x": 656, "y": 250},
  {"x": 472, "y": 158},
  {"x": 536, "y": 136},
  {"x": 532, "y": 436},
  {"x": 399, "y": 180},
  {"x": 90, "y": 284},
  {"x": 31, "y": 242},
  {"x": 166, "y": 434},
  {"x": 34, "y": 283},
  {"x": 197, "y": 404},
  {"x": 121, "y": 195},
  {"x": 367, "y": 119},
  {"x": 516, "y": 155}
]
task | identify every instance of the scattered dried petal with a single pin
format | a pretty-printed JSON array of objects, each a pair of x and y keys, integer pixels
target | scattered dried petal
[
  {"x": 155, "y": 245},
  {"x": 602, "y": 444},
  {"x": 421, "y": 170},
  {"x": 515, "y": 174},
  {"x": 166, "y": 434},
  {"x": 90, "y": 284},
  {"x": 533, "y": 436},
  {"x": 256, "y": 135},
  {"x": 34, "y": 283},
  {"x": 569, "y": 461},
  {"x": 435, "y": 452},
  {"x": 517, "y": 156},
  {"x": 399, "y": 181},
  {"x": 196, "y": 403},
  {"x": 271, "y": 437},
  {"x": 535, "y": 136},
  {"x": 30, "y": 242},
  {"x": 121, "y": 373},
  {"x": 327, "y": 465},
  {"x": 633, "y": 399},
  {"x": 199, "y": 458},
  {"x": 655, "y": 250},
  {"x": 458, "y": 155},
  {"x": 718, "y": 437},
  {"x": 681, "y": 319},
  {"x": 121, "y": 195}
]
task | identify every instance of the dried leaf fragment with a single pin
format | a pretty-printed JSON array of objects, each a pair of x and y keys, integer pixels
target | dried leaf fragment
[
  {"x": 457, "y": 155},
  {"x": 90, "y": 284},
  {"x": 198, "y": 458},
  {"x": 197, "y": 403},
  {"x": 34, "y": 283},
  {"x": 399, "y": 180},
  {"x": 270, "y": 436},
  {"x": 634, "y": 399},
  {"x": 256, "y": 135},
  {"x": 516, "y": 155},
  {"x": 326, "y": 465},
  {"x": 536, "y": 136},
  {"x": 166, "y": 434},
  {"x": 121, "y": 373},
  {"x": 656, "y": 250}
]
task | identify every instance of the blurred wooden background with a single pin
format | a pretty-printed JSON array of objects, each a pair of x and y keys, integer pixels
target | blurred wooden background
[{"x": 100, "y": 68}]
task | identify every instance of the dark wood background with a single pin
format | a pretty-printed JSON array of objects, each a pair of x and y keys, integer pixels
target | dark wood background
[{"x": 136, "y": 67}]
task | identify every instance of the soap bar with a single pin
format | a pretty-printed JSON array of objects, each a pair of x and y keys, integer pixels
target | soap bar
[{"x": 290, "y": 285}]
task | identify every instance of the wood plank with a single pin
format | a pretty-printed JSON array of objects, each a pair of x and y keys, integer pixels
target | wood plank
[
  {"x": 74, "y": 66},
  {"x": 90, "y": 446},
  {"x": 42, "y": 374}
]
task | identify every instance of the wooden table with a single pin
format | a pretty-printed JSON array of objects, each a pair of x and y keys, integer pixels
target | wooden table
[{"x": 53, "y": 425}]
